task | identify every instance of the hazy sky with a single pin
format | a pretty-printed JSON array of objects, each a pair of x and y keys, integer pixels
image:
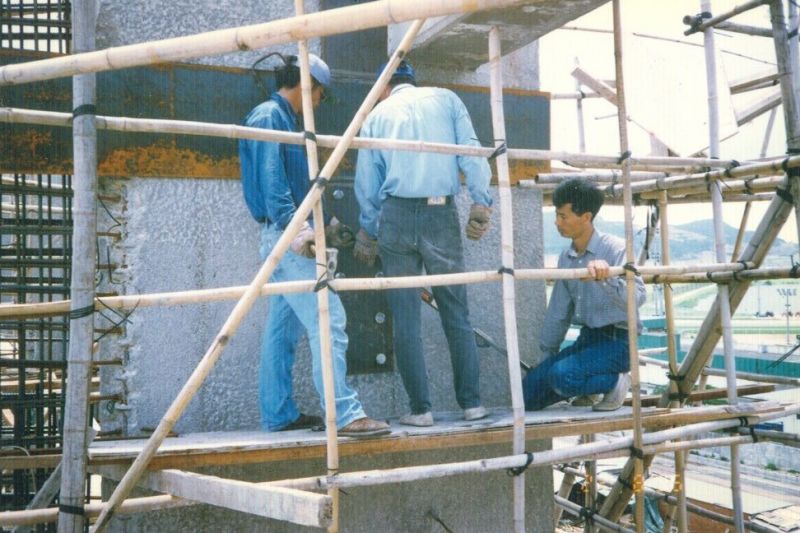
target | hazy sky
[{"x": 665, "y": 88}]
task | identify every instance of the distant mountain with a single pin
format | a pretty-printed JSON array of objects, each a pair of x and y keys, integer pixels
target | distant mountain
[{"x": 691, "y": 241}]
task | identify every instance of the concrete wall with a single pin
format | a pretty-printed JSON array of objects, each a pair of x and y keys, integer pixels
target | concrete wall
[{"x": 181, "y": 234}]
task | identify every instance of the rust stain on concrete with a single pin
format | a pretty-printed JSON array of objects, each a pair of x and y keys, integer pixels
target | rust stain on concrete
[{"x": 166, "y": 161}]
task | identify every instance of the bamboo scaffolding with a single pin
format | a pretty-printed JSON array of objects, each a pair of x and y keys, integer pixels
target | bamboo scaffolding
[
  {"x": 322, "y": 273},
  {"x": 81, "y": 330},
  {"x": 632, "y": 308},
  {"x": 752, "y": 83},
  {"x": 737, "y": 246},
  {"x": 248, "y": 299},
  {"x": 598, "y": 176},
  {"x": 167, "y": 299},
  {"x": 577, "y": 95},
  {"x": 340, "y": 20},
  {"x": 579, "y": 113},
  {"x": 758, "y": 108},
  {"x": 576, "y": 510},
  {"x": 713, "y": 21},
  {"x": 507, "y": 260},
  {"x": 232, "y": 131},
  {"x": 749, "y": 376},
  {"x": 745, "y": 29},
  {"x": 752, "y": 184}
]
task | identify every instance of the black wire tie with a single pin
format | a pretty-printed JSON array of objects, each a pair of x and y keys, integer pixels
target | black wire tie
[
  {"x": 785, "y": 195},
  {"x": 587, "y": 513},
  {"x": 631, "y": 268},
  {"x": 505, "y": 270},
  {"x": 72, "y": 509},
  {"x": 675, "y": 377},
  {"x": 517, "y": 470},
  {"x": 321, "y": 182},
  {"x": 82, "y": 312},
  {"x": 637, "y": 452},
  {"x": 85, "y": 109},
  {"x": 310, "y": 136},
  {"x": 500, "y": 150},
  {"x": 623, "y": 156}
]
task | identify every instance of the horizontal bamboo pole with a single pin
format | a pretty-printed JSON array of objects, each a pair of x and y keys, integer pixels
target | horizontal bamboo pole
[
  {"x": 761, "y": 184},
  {"x": 758, "y": 81},
  {"x": 346, "y": 284},
  {"x": 691, "y": 199},
  {"x": 233, "y": 131},
  {"x": 132, "y": 505},
  {"x": 745, "y": 29},
  {"x": 758, "y": 108},
  {"x": 749, "y": 376},
  {"x": 713, "y": 21},
  {"x": 574, "y": 95},
  {"x": 332, "y": 21},
  {"x": 596, "y": 176},
  {"x": 723, "y": 277}
]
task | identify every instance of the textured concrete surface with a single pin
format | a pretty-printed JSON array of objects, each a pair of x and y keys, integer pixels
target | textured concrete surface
[{"x": 474, "y": 503}]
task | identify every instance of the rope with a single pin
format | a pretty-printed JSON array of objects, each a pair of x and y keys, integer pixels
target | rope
[{"x": 517, "y": 470}]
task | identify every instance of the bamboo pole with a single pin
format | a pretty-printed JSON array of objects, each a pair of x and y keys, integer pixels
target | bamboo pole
[
  {"x": 579, "y": 112},
  {"x": 563, "y": 491},
  {"x": 710, "y": 23},
  {"x": 576, "y": 509},
  {"x": 789, "y": 97},
  {"x": 755, "y": 110},
  {"x": 167, "y": 299},
  {"x": 744, "y": 29},
  {"x": 577, "y": 95},
  {"x": 84, "y": 250},
  {"x": 652, "y": 220},
  {"x": 749, "y": 376},
  {"x": 323, "y": 305},
  {"x": 633, "y": 310},
  {"x": 759, "y": 81},
  {"x": 246, "y": 302},
  {"x": 597, "y": 176},
  {"x": 507, "y": 261},
  {"x": 723, "y": 296},
  {"x": 750, "y": 185},
  {"x": 672, "y": 355},
  {"x": 232, "y": 131},
  {"x": 331, "y": 21},
  {"x": 740, "y": 234}
]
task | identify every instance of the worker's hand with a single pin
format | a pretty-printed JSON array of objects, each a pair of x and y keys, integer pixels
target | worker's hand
[
  {"x": 598, "y": 269},
  {"x": 339, "y": 235},
  {"x": 303, "y": 243},
  {"x": 366, "y": 248},
  {"x": 478, "y": 223}
]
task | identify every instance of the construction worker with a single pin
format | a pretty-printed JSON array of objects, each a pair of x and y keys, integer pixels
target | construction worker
[
  {"x": 598, "y": 362},
  {"x": 409, "y": 217},
  {"x": 275, "y": 180}
]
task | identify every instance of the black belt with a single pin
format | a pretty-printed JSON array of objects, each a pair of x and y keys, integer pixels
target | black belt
[
  {"x": 432, "y": 201},
  {"x": 611, "y": 330}
]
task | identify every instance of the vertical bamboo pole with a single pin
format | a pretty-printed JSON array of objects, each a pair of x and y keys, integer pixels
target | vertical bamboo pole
[
  {"x": 672, "y": 356},
  {"x": 789, "y": 97},
  {"x": 563, "y": 491},
  {"x": 322, "y": 295},
  {"x": 579, "y": 109},
  {"x": 84, "y": 251},
  {"x": 737, "y": 247},
  {"x": 591, "y": 489},
  {"x": 247, "y": 300},
  {"x": 723, "y": 296},
  {"x": 633, "y": 311},
  {"x": 507, "y": 260}
]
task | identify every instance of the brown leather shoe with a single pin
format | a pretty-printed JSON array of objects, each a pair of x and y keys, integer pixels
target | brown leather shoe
[
  {"x": 304, "y": 422},
  {"x": 365, "y": 427}
]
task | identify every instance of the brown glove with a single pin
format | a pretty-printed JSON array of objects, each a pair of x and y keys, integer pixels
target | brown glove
[
  {"x": 366, "y": 248},
  {"x": 303, "y": 243},
  {"x": 479, "y": 221},
  {"x": 339, "y": 235}
]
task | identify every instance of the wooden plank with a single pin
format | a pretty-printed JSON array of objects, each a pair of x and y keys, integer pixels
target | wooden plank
[{"x": 290, "y": 505}]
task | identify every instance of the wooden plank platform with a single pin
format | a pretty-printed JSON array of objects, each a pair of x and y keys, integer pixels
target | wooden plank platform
[{"x": 450, "y": 431}]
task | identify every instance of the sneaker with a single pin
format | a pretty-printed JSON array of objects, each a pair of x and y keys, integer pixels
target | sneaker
[
  {"x": 586, "y": 400},
  {"x": 476, "y": 413},
  {"x": 613, "y": 399},
  {"x": 421, "y": 420},
  {"x": 365, "y": 427},
  {"x": 304, "y": 422}
]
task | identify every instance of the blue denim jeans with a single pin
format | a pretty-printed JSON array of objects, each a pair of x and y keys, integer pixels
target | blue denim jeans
[
  {"x": 413, "y": 235},
  {"x": 289, "y": 315},
  {"x": 589, "y": 366}
]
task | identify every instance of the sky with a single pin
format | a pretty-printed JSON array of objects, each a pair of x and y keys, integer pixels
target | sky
[{"x": 665, "y": 87}]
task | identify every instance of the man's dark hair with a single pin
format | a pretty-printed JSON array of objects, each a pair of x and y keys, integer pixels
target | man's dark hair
[
  {"x": 288, "y": 74},
  {"x": 581, "y": 194}
]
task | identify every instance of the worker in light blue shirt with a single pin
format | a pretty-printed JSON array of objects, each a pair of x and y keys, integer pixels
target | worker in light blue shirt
[
  {"x": 598, "y": 362},
  {"x": 275, "y": 181},
  {"x": 409, "y": 218}
]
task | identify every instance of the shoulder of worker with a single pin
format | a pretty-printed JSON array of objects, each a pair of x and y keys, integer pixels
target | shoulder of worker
[
  {"x": 605, "y": 242},
  {"x": 267, "y": 114}
]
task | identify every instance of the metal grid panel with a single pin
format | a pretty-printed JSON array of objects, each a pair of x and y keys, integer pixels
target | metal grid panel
[{"x": 41, "y": 25}]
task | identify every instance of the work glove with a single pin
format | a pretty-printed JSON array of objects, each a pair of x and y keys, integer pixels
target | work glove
[
  {"x": 478, "y": 223},
  {"x": 366, "y": 248},
  {"x": 303, "y": 243},
  {"x": 339, "y": 235}
]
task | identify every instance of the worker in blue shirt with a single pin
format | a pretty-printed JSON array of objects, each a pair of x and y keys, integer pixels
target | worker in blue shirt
[
  {"x": 274, "y": 181},
  {"x": 408, "y": 217}
]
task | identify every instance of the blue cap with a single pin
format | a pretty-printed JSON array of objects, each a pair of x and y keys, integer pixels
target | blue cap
[
  {"x": 404, "y": 70},
  {"x": 319, "y": 70}
]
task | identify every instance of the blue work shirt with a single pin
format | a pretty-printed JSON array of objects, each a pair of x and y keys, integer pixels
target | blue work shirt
[
  {"x": 426, "y": 114},
  {"x": 274, "y": 175},
  {"x": 589, "y": 303}
]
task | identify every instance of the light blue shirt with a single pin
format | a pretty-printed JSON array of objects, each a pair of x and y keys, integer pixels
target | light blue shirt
[
  {"x": 426, "y": 114},
  {"x": 589, "y": 303}
]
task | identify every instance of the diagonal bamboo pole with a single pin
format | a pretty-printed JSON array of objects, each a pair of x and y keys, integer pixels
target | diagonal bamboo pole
[
  {"x": 710, "y": 23},
  {"x": 362, "y": 16},
  {"x": 81, "y": 329},
  {"x": 507, "y": 260},
  {"x": 323, "y": 305},
  {"x": 633, "y": 310},
  {"x": 246, "y": 302}
]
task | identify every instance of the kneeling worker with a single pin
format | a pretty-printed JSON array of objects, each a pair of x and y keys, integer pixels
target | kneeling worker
[{"x": 598, "y": 362}]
